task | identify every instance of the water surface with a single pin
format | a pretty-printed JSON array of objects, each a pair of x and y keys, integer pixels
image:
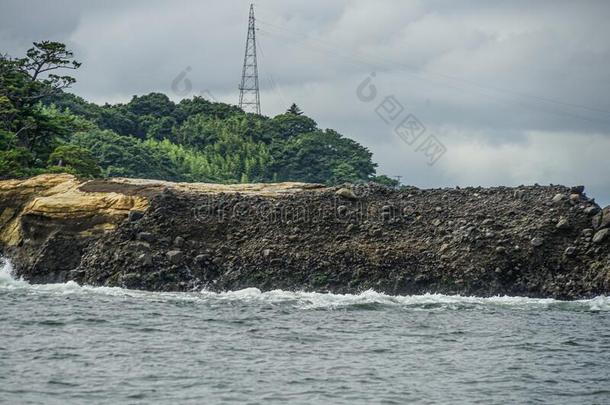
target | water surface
[{"x": 62, "y": 343}]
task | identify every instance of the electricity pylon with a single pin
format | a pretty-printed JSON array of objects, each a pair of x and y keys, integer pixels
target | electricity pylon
[{"x": 249, "y": 95}]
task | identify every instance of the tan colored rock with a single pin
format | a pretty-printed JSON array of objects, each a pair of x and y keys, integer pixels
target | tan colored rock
[
  {"x": 101, "y": 203},
  {"x": 58, "y": 197}
]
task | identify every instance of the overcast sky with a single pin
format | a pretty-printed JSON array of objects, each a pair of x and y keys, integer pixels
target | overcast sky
[{"x": 517, "y": 92}]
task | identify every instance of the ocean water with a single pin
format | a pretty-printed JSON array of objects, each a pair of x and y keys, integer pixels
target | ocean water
[{"x": 63, "y": 343}]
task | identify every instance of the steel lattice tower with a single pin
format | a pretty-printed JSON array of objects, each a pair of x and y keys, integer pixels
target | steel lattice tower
[{"x": 249, "y": 96}]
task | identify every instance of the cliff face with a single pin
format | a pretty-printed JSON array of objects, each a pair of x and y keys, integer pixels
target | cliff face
[
  {"x": 539, "y": 241},
  {"x": 46, "y": 221}
]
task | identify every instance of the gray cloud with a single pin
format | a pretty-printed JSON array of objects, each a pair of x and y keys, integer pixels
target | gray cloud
[{"x": 516, "y": 90}]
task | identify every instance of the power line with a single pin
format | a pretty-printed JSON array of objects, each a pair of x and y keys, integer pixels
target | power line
[{"x": 539, "y": 102}]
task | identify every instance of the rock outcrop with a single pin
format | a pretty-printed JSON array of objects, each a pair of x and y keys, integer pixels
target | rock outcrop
[{"x": 539, "y": 241}]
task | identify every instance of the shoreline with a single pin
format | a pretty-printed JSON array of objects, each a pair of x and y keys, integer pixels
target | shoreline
[{"x": 530, "y": 241}]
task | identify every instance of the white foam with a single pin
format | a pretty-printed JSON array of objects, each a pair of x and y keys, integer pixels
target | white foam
[
  {"x": 312, "y": 300},
  {"x": 308, "y": 300}
]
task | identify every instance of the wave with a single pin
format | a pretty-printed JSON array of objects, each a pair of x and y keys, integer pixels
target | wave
[{"x": 309, "y": 300}]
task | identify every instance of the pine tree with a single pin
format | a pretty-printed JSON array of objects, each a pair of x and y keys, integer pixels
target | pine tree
[{"x": 294, "y": 109}]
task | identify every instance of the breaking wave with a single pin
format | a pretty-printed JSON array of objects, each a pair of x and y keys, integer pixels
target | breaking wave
[{"x": 309, "y": 300}]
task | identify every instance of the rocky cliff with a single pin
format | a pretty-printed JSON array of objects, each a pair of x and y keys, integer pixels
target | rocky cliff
[{"x": 540, "y": 241}]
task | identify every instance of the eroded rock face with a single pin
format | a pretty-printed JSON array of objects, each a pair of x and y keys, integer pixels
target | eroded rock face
[
  {"x": 295, "y": 236},
  {"x": 47, "y": 221}
]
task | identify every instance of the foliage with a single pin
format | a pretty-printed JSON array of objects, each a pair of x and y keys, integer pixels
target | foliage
[
  {"x": 77, "y": 160},
  {"x": 33, "y": 128},
  {"x": 15, "y": 162},
  {"x": 44, "y": 128},
  {"x": 294, "y": 109},
  {"x": 324, "y": 157},
  {"x": 386, "y": 181},
  {"x": 126, "y": 156}
]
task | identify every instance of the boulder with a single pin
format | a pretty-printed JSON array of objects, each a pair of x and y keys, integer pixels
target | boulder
[
  {"x": 570, "y": 251},
  {"x": 342, "y": 210},
  {"x": 179, "y": 241},
  {"x": 600, "y": 235},
  {"x": 605, "y": 220},
  {"x": 563, "y": 224},
  {"x": 175, "y": 256},
  {"x": 536, "y": 242},
  {"x": 201, "y": 259},
  {"x": 145, "y": 259},
  {"x": 596, "y": 221},
  {"x": 146, "y": 237},
  {"x": 592, "y": 210},
  {"x": 135, "y": 215},
  {"x": 346, "y": 193},
  {"x": 558, "y": 198}
]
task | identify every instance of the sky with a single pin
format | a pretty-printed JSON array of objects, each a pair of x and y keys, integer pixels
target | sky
[{"x": 482, "y": 93}]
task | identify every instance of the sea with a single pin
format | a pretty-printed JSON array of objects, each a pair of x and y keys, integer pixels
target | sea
[{"x": 65, "y": 343}]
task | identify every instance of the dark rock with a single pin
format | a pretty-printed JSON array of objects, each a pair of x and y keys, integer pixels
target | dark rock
[
  {"x": 592, "y": 210},
  {"x": 342, "y": 210},
  {"x": 375, "y": 232},
  {"x": 577, "y": 189},
  {"x": 145, "y": 259},
  {"x": 477, "y": 232},
  {"x": 596, "y": 221},
  {"x": 175, "y": 256},
  {"x": 146, "y": 236},
  {"x": 563, "y": 224},
  {"x": 179, "y": 242},
  {"x": 570, "y": 251},
  {"x": 134, "y": 216},
  {"x": 605, "y": 220},
  {"x": 200, "y": 260},
  {"x": 600, "y": 235},
  {"x": 140, "y": 246}
]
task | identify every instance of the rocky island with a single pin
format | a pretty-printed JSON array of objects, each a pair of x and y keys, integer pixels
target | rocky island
[{"x": 535, "y": 241}]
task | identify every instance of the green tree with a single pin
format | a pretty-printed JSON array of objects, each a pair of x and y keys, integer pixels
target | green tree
[
  {"x": 294, "y": 110},
  {"x": 24, "y": 82},
  {"x": 343, "y": 173},
  {"x": 289, "y": 125},
  {"x": 15, "y": 162},
  {"x": 74, "y": 159},
  {"x": 386, "y": 181},
  {"x": 321, "y": 157},
  {"x": 126, "y": 156},
  {"x": 155, "y": 104}
]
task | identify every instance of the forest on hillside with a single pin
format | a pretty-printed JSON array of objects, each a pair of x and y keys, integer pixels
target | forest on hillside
[{"x": 46, "y": 129}]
